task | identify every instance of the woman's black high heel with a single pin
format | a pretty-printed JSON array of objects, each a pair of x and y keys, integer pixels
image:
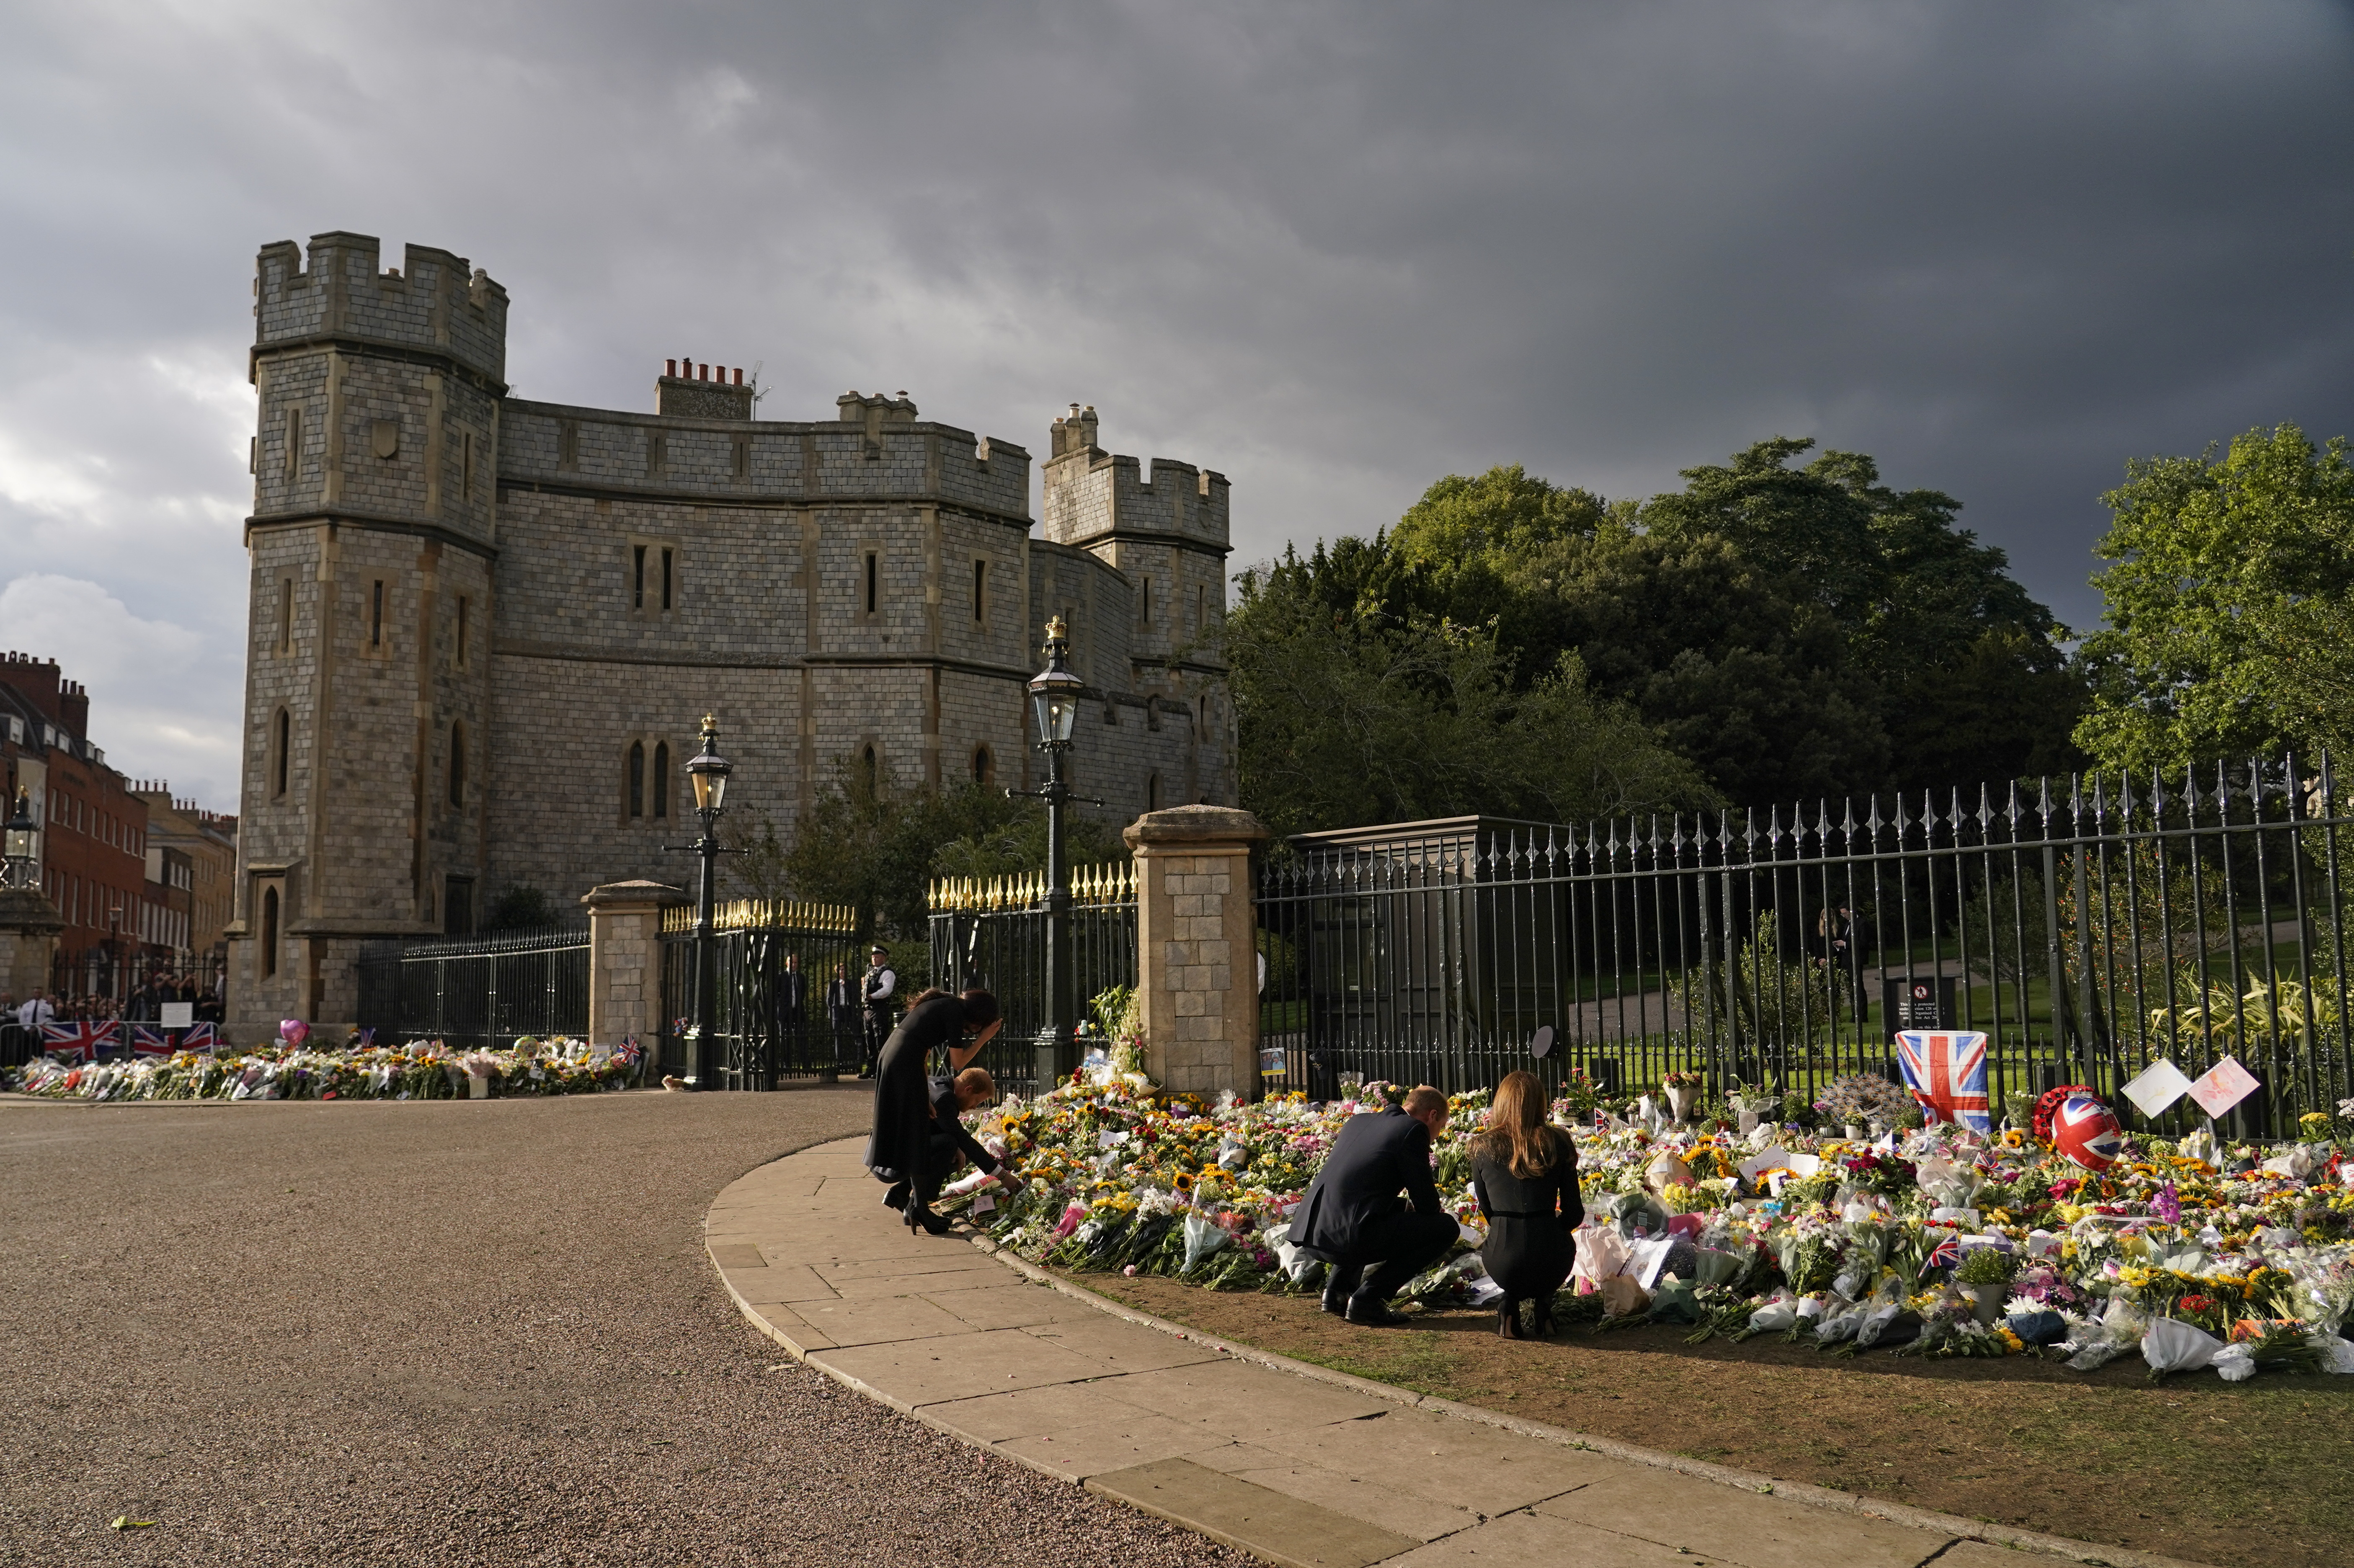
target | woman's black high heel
[
  {"x": 918, "y": 1215},
  {"x": 1541, "y": 1318},
  {"x": 1507, "y": 1319}
]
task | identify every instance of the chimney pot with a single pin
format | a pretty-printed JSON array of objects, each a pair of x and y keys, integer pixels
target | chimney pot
[
  {"x": 670, "y": 369},
  {"x": 706, "y": 374},
  {"x": 739, "y": 375}
]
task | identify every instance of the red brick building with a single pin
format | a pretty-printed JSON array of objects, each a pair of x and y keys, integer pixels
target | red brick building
[{"x": 93, "y": 828}]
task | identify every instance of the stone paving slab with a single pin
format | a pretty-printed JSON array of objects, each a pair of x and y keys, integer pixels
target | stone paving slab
[
  {"x": 1295, "y": 1464},
  {"x": 1268, "y": 1524}
]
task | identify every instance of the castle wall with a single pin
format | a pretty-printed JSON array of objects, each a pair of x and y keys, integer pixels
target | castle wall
[{"x": 447, "y": 578}]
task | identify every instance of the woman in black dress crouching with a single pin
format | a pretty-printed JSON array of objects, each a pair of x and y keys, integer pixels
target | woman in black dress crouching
[
  {"x": 1524, "y": 1173},
  {"x": 900, "y": 1153}
]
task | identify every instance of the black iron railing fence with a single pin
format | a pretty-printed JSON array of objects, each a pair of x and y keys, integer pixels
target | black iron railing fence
[
  {"x": 991, "y": 932},
  {"x": 487, "y": 989},
  {"x": 775, "y": 1010},
  {"x": 2088, "y": 926}
]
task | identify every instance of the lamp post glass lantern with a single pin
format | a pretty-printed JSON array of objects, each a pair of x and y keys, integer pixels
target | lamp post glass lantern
[
  {"x": 707, "y": 772},
  {"x": 1055, "y": 694},
  {"x": 20, "y": 846}
]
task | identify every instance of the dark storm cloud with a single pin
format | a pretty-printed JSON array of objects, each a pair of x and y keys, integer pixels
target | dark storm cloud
[{"x": 1334, "y": 250}]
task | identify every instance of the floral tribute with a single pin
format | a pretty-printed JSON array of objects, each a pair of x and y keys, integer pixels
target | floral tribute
[
  {"x": 294, "y": 1070},
  {"x": 1931, "y": 1242}
]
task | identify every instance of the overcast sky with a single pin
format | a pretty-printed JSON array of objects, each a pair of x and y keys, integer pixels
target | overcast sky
[{"x": 1335, "y": 251}]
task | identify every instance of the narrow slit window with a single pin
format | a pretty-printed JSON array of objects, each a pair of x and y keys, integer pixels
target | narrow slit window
[
  {"x": 1144, "y": 598},
  {"x": 984, "y": 770},
  {"x": 980, "y": 591},
  {"x": 661, "y": 778},
  {"x": 666, "y": 581},
  {"x": 286, "y": 615},
  {"x": 375, "y": 613},
  {"x": 637, "y": 778},
  {"x": 269, "y": 932},
  {"x": 637, "y": 577},
  {"x": 293, "y": 441},
  {"x": 466, "y": 465},
  {"x": 568, "y": 444},
  {"x": 464, "y": 607},
  {"x": 743, "y": 456},
  {"x": 871, "y": 584},
  {"x": 457, "y": 766},
  {"x": 282, "y": 743}
]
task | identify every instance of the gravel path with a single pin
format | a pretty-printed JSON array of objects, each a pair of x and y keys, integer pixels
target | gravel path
[{"x": 452, "y": 1332}]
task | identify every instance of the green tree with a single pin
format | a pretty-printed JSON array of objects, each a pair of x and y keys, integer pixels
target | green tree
[
  {"x": 1354, "y": 716},
  {"x": 877, "y": 847},
  {"x": 2229, "y": 630}
]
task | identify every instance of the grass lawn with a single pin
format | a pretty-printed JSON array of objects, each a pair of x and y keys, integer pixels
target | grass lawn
[{"x": 2257, "y": 1473}]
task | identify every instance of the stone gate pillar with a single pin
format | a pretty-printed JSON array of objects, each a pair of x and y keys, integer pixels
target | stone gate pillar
[
  {"x": 625, "y": 960},
  {"x": 30, "y": 924},
  {"x": 1197, "y": 946}
]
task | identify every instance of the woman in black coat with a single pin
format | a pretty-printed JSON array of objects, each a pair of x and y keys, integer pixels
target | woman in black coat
[
  {"x": 904, "y": 1117},
  {"x": 1524, "y": 1173}
]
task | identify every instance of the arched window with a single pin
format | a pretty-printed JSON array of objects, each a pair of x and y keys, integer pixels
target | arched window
[
  {"x": 984, "y": 766},
  {"x": 637, "y": 778},
  {"x": 661, "y": 778},
  {"x": 282, "y": 743},
  {"x": 870, "y": 769},
  {"x": 269, "y": 932},
  {"x": 457, "y": 765}
]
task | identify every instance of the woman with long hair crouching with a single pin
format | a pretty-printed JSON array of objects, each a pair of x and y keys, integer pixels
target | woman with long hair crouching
[
  {"x": 907, "y": 1112},
  {"x": 1524, "y": 1173}
]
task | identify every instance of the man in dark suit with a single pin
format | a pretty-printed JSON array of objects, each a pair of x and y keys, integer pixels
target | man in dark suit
[
  {"x": 792, "y": 1008},
  {"x": 1353, "y": 1217}
]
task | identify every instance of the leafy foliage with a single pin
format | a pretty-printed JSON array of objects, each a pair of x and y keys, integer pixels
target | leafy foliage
[
  {"x": 2231, "y": 608},
  {"x": 1766, "y": 633},
  {"x": 876, "y": 846}
]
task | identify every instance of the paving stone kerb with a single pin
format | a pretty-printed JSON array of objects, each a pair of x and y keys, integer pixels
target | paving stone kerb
[
  {"x": 1297, "y": 1464},
  {"x": 1197, "y": 946}
]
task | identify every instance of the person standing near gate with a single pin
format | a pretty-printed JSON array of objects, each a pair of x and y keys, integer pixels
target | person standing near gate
[
  {"x": 792, "y": 1005},
  {"x": 842, "y": 1014},
  {"x": 875, "y": 990}
]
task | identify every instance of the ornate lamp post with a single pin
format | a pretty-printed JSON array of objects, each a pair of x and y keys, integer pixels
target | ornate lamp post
[
  {"x": 20, "y": 847},
  {"x": 1054, "y": 703},
  {"x": 707, "y": 772}
]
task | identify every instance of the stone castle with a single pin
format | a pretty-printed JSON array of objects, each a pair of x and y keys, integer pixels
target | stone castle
[{"x": 483, "y": 629}]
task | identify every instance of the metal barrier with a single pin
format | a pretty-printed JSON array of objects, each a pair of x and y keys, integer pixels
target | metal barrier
[
  {"x": 489, "y": 990},
  {"x": 991, "y": 932},
  {"x": 772, "y": 960},
  {"x": 2086, "y": 925}
]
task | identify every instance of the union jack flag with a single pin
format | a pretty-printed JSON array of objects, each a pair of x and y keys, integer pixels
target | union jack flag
[
  {"x": 1945, "y": 1253},
  {"x": 148, "y": 1040},
  {"x": 1948, "y": 1074},
  {"x": 77, "y": 1041}
]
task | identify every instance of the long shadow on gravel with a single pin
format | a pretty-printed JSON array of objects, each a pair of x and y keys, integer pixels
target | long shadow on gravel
[{"x": 451, "y": 1333}]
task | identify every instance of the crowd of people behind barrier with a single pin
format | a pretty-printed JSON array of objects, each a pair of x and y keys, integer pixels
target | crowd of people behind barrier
[{"x": 21, "y": 1018}]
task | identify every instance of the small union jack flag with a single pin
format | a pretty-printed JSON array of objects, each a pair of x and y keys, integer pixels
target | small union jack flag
[
  {"x": 1945, "y": 1253},
  {"x": 76, "y": 1042},
  {"x": 1948, "y": 1074}
]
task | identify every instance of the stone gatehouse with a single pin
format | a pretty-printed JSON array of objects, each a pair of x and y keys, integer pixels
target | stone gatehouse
[{"x": 483, "y": 629}]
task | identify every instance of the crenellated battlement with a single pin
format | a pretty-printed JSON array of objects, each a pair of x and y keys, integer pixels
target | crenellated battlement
[
  {"x": 433, "y": 301},
  {"x": 1093, "y": 495}
]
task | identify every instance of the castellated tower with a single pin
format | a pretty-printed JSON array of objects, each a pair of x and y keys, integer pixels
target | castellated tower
[
  {"x": 371, "y": 544},
  {"x": 1167, "y": 535}
]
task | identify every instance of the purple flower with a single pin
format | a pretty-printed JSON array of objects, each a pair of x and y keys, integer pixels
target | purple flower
[{"x": 2167, "y": 1205}]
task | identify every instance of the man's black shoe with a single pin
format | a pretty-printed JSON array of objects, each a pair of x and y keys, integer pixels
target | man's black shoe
[
  {"x": 1336, "y": 1301},
  {"x": 1366, "y": 1312}
]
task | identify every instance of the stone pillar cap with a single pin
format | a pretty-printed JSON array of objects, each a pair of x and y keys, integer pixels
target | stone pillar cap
[
  {"x": 640, "y": 892},
  {"x": 1195, "y": 824},
  {"x": 29, "y": 909}
]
